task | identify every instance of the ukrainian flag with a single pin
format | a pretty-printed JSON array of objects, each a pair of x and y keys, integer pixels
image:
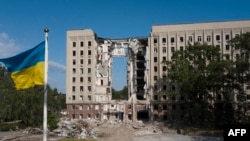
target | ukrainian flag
[{"x": 27, "y": 68}]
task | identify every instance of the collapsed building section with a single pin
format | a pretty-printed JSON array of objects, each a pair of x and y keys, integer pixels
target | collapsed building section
[{"x": 89, "y": 76}]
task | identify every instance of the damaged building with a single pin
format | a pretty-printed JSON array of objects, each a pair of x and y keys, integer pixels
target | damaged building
[{"x": 89, "y": 69}]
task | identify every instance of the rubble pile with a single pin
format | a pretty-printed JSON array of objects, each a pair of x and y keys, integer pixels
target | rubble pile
[{"x": 73, "y": 128}]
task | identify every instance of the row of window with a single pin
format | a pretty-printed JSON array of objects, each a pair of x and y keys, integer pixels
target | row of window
[
  {"x": 81, "y": 80},
  {"x": 80, "y": 97},
  {"x": 87, "y": 107},
  {"x": 89, "y": 88},
  {"x": 80, "y": 70},
  {"x": 89, "y": 116},
  {"x": 81, "y": 52},
  {"x": 81, "y": 44},
  {"x": 81, "y": 62},
  {"x": 190, "y": 38}
]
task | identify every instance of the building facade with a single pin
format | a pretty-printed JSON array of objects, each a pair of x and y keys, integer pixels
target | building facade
[{"x": 89, "y": 68}]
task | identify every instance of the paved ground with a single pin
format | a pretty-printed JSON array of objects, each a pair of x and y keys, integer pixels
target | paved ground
[{"x": 169, "y": 137}]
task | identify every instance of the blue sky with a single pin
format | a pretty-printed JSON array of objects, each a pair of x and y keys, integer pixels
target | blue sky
[{"x": 22, "y": 23}]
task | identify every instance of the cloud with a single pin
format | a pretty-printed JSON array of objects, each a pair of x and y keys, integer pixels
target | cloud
[
  {"x": 8, "y": 47},
  {"x": 54, "y": 66}
]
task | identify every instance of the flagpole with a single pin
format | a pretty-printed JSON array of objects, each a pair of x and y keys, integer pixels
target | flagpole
[{"x": 46, "y": 31}]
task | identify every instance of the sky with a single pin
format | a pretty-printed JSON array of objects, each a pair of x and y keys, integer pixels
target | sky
[{"x": 22, "y": 23}]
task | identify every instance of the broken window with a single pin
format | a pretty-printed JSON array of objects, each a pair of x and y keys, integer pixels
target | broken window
[
  {"x": 89, "y": 43},
  {"x": 190, "y": 38},
  {"x": 89, "y": 79},
  {"x": 81, "y": 61},
  {"x": 155, "y": 50},
  {"x": 172, "y": 40},
  {"x": 81, "y": 52},
  {"x": 217, "y": 37},
  {"x": 74, "y": 53},
  {"x": 155, "y": 40},
  {"x": 155, "y": 68},
  {"x": 89, "y": 88},
  {"x": 81, "y": 43},
  {"x": 89, "y": 61},
  {"x": 155, "y": 97},
  {"x": 165, "y": 107},
  {"x": 73, "y": 97},
  {"x": 181, "y": 48},
  {"x": 74, "y": 70},
  {"x": 89, "y": 52},
  {"x": 73, "y": 88},
  {"x": 89, "y": 97},
  {"x": 155, "y": 78},
  {"x": 164, "y": 49},
  {"x": 172, "y": 49},
  {"x": 101, "y": 82},
  {"x": 181, "y": 39},
  {"x": 208, "y": 38},
  {"x": 155, "y": 59},
  {"x": 81, "y": 70},
  {"x": 74, "y": 62},
  {"x": 81, "y": 88},
  {"x": 73, "y": 79},
  {"x": 155, "y": 107},
  {"x": 81, "y": 79},
  {"x": 89, "y": 70},
  {"x": 164, "y": 40},
  {"x": 81, "y": 97},
  {"x": 74, "y": 44},
  {"x": 227, "y": 37}
]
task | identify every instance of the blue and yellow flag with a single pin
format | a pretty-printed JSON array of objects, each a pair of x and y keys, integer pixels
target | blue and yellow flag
[{"x": 27, "y": 68}]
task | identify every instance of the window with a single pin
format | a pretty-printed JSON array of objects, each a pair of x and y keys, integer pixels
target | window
[
  {"x": 81, "y": 43},
  {"x": 164, "y": 87},
  {"x": 172, "y": 40},
  {"x": 89, "y": 52},
  {"x": 227, "y": 56},
  {"x": 73, "y": 88},
  {"x": 73, "y": 79},
  {"x": 89, "y": 97},
  {"x": 89, "y": 70},
  {"x": 81, "y": 97},
  {"x": 227, "y": 47},
  {"x": 164, "y": 97},
  {"x": 164, "y": 50},
  {"x": 81, "y": 88},
  {"x": 74, "y": 62},
  {"x": 155, "y": 69},
  {"x": 155, "y": 97},
  {"x": 155, "y": 107},
  {"x": 190, "y": 38},
  {"x": 155, "y": 40},
  {"x": 155, "y": 59},
  {"x": 74, "y": 53},
  {"x": 172, "y": 49},
  {"x": 227, "y": 37},
  {"x": 164, "y": 68},
  {"x": 208, "y": 38},
  {"x": 89, "y": 43},
  {"x": 102, "y": 82},
  {"x": 89, "y": 79},
  {"x": 81, "y": 61},
  {"x": 74, "y": 70},
  {"x": 165, "y": 107},
  {"x": 181, "y": 39},
  {"x": 81, "y": 79},
  {"x": 89, "y": 61},
  {"x": 164, "y": 58},
  {"x": 164, "y": 40},
  {"x": 81, "y": 52},
  {"x": 155, "y": 50},
  {"x": 217, "y": 37},
  {"x": 81, "y": 70},
  {"x": 181, "y": 48},
  {"x": 89, "y": 88},
  {"x": 199, "y": 38},
  {"x": 74, "y": 44},
  {"x": 155, "y": 78}
]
